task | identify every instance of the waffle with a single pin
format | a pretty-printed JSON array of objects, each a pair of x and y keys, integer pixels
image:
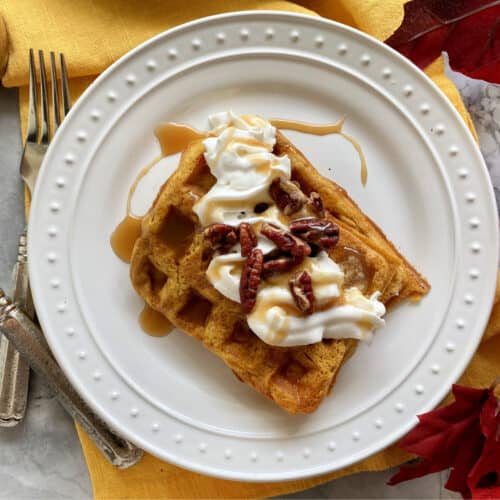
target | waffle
[{"x": 168, "y": 271}]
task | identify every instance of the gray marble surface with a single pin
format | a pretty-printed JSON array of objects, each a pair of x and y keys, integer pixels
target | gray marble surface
[{"x": 42, "y": 458}]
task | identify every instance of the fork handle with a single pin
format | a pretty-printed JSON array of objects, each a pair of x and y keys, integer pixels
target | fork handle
[
  {"x": 22, "y": 294},
  {"x": 30, "y": 342},
  {"x": 14, "y": 371}
]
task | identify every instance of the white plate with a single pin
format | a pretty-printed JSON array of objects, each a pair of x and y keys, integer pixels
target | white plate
[{"x": 427, "y": 188}]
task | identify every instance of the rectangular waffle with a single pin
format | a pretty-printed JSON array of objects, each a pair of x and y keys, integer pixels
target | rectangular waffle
[{"x": 168, "y": 271}]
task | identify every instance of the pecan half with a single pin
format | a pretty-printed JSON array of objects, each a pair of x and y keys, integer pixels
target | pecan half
[
  {"x": 321, "y": 232},
  {"x": 280, "y": 265},
  {"x": 248, "y": 239},
  {"x": 251, "y": 277},
  {"x": 316, "y": 204},
  {"x": 287, "y": 195},
  {"x": 221, "y": 236},
  {"x": 285, "y": 241},
  {"x": 302, "y": 292}
]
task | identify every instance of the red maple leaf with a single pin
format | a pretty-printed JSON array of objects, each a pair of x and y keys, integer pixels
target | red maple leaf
[
  {"x": 463, "y": 436},
  {"x": 468, "y": 30},
  {"x": 484, "y": 478}
]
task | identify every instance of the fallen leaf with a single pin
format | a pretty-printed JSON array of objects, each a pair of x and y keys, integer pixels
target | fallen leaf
[
  {"x": 463, "y": 436},
  {"x": 468, "y": 30},
  {"x": 484, "y": 478}
]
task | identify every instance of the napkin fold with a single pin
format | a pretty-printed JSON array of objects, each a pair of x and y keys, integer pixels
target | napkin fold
[{"x": 93, "y": 34}]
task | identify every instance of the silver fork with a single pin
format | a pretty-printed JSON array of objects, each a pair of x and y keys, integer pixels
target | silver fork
[
  {"x": 14, "y": 371},
  {"x": 16, "y": 316},
  {"x": 39, "y": 132}
]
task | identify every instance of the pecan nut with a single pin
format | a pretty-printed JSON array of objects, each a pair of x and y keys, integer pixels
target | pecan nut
[
  {"x": 251, "y": 277},
  {"x": 316, "y": 204},
  {"x": 285, "y": 240},
  {"x": 302, "y": 292},
  {"x": 321, "y": 232},
  {"x": 287, "y": 195},
  {"x": 221, "y": 237},
  {"x": 281, "y": 264},
  {"x": 248, "y": 239}
]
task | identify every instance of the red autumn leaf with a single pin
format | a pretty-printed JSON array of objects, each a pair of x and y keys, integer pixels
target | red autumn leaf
[
  {"x": 484, "y": 478},
  {"x": 448, "y": 437},
  {"x": 457, "y": 480},
  {"x": 468, "y": 30}
]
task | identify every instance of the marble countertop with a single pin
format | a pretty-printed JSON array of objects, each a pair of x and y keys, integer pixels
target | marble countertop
[{"x": 42, "y": 459}]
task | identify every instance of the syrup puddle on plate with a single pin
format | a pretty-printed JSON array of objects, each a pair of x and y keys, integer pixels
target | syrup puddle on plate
[
  {"x": 124, "y": 237},
  {"x": 154, "y": 323},
  {"x": 174, "y": 137}
]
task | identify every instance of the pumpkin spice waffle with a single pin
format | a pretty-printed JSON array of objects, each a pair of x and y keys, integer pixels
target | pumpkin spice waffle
[{"x": 171, "y": 257}]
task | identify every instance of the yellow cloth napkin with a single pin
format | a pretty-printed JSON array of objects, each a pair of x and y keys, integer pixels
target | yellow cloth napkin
[{"x": 93, "y": 34}]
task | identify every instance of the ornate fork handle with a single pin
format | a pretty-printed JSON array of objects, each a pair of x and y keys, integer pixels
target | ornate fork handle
[
  {"x": 14, "y": 371},
  {"x": 30, "y": 342}
]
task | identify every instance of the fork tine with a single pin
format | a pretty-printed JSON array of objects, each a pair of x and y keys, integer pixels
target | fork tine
[
  {"x": 55, "y": 93},
  {"x": 32, "y": 105},
  {"x": 65, "y": 86},
  {"x": 44, "y": 136}
]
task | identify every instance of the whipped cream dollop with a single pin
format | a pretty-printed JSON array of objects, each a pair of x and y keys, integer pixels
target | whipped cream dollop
[{"x": 239, "y": 155}]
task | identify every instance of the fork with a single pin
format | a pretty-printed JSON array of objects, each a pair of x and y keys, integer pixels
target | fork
[
  {"x": 39, "y": 132},
  {"x": 16, "y": 316},
  {"x": 14, "y": 371}
]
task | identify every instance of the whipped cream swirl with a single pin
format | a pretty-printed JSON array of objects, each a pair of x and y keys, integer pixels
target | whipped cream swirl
[{"x": 240, "y": 157}]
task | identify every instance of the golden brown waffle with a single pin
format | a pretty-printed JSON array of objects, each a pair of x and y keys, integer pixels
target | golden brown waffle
[{"x": 168, "y": 270}]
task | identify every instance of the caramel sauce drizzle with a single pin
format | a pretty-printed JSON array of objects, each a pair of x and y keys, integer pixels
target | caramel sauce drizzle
[
  {"x": 362, "y": 159},
  {"x": 129, "y": 229},
  {"x": 154, "y": 323},
  {"x": 318, "y": 129},
  {"x": 362, "y": 275},
  {"x": 124, "y": 237},
  {"x": 174, "y": 137},
  {"x": 309, "y": 128}
]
